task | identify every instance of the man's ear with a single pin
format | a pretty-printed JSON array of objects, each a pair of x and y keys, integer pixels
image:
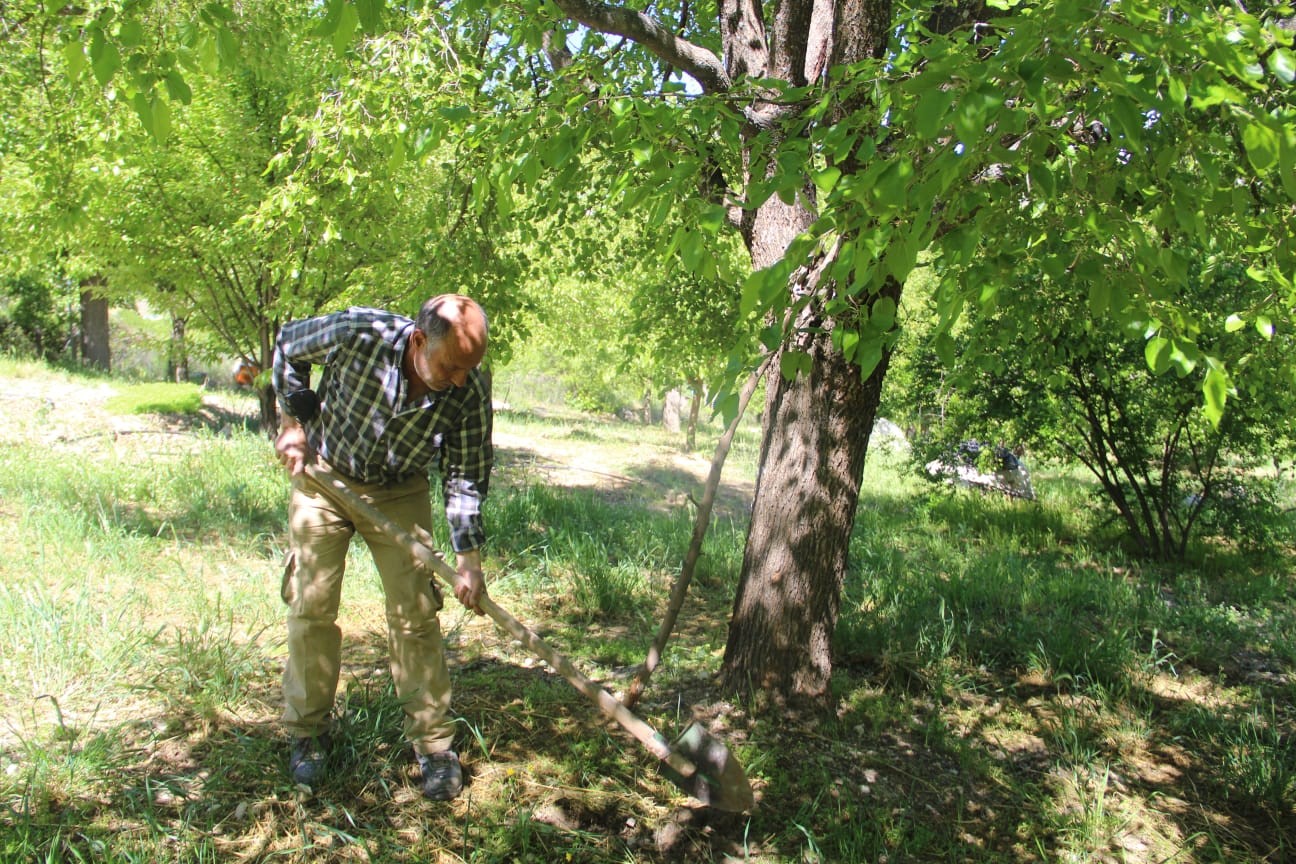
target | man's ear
[{"x": 418, "y": 340}]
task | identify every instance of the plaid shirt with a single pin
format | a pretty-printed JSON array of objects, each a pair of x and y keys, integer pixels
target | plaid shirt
[{"x": 368, "y": 428}]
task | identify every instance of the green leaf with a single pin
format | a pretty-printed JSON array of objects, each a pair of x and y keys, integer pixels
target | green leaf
[
  {"x": 219, "y": 11},
  {"x": 1261, "y": 146},
  {"x": 332, "y": 17},
  {"x": 1100, "y": 297},
  {"x": 105, "y": 59},
  {"x": 793, "y": 362},
  {"x": 131, "y": 33},
  {"x": 883, "y": 313},
  {"x": 371, "y": 12},
  {"x": 1215, "y": 389},
  {"x": 691, "y": 250},
  {"x": 868, "y": 356},
  {"x": 711, "y": 220},
  {"x": 177, "y": 89},
  {"x": 1184, "y": 358},
  {"x": 849, "y": 343},
  {"x": 771, "y": 336},
  {"x": 946, "y": 351},
  {"x": 1264, "y": 327},
  {"x": 74, "y": 56},
  {"x": 227, "y": 47},
  {"x": 930, "y": 112},
  {"x": 1287, "y": 163},
  {"x": 140, "y": 102},
  {"x": 1284, "y": 65},
  {"x": 1234, "y": 323},
  {"x": 757, "y": 290},
  {"x": 826, "y": 179},
  {"x": 161, "y": 119},
  {"x": 345, "y": 34},
  {"x": 1157, "y": 354}
]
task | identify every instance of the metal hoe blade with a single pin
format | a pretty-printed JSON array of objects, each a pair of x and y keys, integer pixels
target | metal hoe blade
[{"x": 720, "y": 780}]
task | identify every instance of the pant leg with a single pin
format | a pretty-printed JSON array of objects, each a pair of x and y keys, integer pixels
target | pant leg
[
  {"x": 318, "y": 537},
  {"x": 418, "y": 663}
]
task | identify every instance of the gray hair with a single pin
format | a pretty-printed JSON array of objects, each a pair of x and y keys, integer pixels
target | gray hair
[{"x": 435, "y": 326}]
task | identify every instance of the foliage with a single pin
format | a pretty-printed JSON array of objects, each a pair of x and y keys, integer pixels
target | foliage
[
  {"x": 1045, "y": 376},
  {"x": 36, "y": 316},
  {"x": 262, "y": 177},
  {"x": 1064, "y": 135},
  {"x": 1064, "y": 138}
]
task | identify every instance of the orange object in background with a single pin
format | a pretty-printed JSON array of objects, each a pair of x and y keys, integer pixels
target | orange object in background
[{"x": 245, "y": 373}]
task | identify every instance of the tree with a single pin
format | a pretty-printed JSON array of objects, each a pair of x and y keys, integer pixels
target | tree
[
  {"x": 250, "y": 190},
  {"x": 1121, "y": 409},
  {"x": 851, "y": 139}
]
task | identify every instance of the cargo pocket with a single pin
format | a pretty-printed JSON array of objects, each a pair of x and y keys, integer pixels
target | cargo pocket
[
  {"x": 432, "y": 596},
  {"x": 288, "y": 588}
]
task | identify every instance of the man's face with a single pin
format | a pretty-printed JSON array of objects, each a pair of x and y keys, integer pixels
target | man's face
[{"x": 443, "y": 365}]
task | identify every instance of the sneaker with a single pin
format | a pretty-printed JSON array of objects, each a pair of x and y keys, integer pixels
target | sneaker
[
  {"x": 306, "y": 764},
  {"x": 442, "y": 776}
]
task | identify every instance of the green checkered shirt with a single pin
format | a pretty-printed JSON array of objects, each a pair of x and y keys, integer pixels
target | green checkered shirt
[{"x": 368, "y": 429}]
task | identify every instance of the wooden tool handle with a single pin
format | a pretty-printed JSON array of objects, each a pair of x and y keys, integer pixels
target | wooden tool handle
[{"x": 421, "y": 546}]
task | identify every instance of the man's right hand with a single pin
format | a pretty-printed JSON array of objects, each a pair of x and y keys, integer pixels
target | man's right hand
[{"x": 292, "y": 447}]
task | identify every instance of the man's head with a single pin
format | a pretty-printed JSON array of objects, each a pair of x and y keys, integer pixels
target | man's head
[{"x": 449, "y": 341}]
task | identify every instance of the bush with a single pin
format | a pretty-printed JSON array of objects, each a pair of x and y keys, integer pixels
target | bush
[{"x": 33, "y": 320}]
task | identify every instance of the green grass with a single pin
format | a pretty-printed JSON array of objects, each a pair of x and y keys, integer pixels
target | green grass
[
  {"x": 1010, "y": 687},
  {"x": 156, "y": 398}
]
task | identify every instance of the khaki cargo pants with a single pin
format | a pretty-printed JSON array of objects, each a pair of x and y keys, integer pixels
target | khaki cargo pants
[{"x": 320, "y": 530}]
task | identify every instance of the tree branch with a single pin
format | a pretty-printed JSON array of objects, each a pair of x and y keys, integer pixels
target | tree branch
[{"x": 697, "y": 61}]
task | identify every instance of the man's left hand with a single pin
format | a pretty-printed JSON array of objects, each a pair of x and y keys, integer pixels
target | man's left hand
[{"x": 470, "y": 584}]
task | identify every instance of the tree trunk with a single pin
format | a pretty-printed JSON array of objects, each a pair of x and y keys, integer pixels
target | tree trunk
[
  {"x": 269, "y": 331},
  {"x": 816, "y": 428},
  {"x": 695, "y": 410},
  {"x": 671, "y": 410},
  {"x": 178, "y": 361},
  {"x": 95, "y": 349},
  {"x": 816, "y": 432}
]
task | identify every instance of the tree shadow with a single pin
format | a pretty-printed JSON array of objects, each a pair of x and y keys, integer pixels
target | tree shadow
[{"x": 546, "y": 774}]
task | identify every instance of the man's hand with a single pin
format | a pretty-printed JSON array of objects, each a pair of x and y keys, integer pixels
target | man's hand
[
  {"x": 292, "y": 447},
  {"x": 470, "y": 584}
]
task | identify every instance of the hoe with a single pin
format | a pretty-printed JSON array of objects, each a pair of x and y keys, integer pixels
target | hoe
[{"x": 698, "y": 762}]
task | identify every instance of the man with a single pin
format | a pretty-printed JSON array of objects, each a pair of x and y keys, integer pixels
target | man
[{"x": 394, "y": 396}]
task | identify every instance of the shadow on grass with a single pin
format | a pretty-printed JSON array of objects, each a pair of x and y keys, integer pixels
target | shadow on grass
[{"x": 545, "y": 777}]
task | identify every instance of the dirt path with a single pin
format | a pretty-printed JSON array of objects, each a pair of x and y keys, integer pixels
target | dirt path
[{"x": 620, "y": 459}]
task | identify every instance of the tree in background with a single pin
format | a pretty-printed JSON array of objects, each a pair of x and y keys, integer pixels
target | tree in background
[
  {"x": 1044, "y": 376},
  {"x": 262, "y": 176},
  {"x": 684, "y": 320}
]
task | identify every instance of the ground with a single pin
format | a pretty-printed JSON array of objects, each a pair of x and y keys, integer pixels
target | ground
[{"x": 895, "y": 759}]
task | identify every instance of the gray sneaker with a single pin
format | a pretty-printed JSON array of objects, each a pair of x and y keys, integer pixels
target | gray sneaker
[
  {"x": 442, "y": 775},
  {"x": 306, "y": 763}
]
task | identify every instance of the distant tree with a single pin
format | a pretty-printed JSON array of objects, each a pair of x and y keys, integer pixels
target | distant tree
[
  {"x": 37, "y": 316},
  {"x": 1043, "y": 375}
]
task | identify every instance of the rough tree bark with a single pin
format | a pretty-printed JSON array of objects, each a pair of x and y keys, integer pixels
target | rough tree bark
[
  {"x": 178, "y": 356},
  {"x": 95, "y": 349},
  {"x": 816, "y": 427}
]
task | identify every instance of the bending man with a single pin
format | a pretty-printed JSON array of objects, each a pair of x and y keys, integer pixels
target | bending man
[{"x": 394, "y": 396}]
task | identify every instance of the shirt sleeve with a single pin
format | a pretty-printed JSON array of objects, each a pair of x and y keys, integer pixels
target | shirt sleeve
[
  {"x": 302, "y": 343},
  {"x": 466, "y": 457}
]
